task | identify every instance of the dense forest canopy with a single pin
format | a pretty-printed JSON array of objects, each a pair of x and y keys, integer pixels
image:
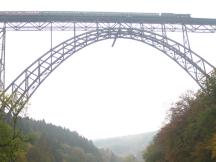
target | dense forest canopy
[
  {"x": 190, "y": 134},
  {"x": 38, "y": 141}
]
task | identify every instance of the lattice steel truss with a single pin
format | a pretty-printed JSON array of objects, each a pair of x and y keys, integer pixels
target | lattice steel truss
[
  {"x": 155, "y": 35},
  {"x": 81, "y": 26}
]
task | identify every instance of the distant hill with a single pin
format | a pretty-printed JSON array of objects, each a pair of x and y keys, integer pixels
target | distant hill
[
  {"x": 39, "y": 141},
  {"x": 125, "y": 145},
  {"x": 49, "y": 143}
]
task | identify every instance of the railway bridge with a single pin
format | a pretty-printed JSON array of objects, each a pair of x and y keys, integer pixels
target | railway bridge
[{"x": 91, "y": 27}]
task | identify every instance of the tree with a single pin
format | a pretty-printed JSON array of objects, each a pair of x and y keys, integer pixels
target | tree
[
  {"x": 190, "y": 134},
  {"x": 11, "y": 149},
  {"x": 130, "y": 158},
  {"x": 153, "y": 153},
  {"x": 42, "y": 151},
  {"x": 11, "y": 141},
  {"x": 212, "y": 146}
]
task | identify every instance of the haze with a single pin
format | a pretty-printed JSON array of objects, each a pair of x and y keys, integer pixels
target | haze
[{"x": 103, "y": 91}]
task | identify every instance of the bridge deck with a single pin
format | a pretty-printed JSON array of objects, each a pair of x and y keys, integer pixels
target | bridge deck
[{"x": 106, "y": 17}]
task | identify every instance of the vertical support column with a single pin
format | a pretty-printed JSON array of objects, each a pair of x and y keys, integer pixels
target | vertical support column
[
  {"x": 2, "y": 56},
  {"x": 74, "y": 32},
  {"x": 51, "y": 43},
  {"x": 142, "y": 29},
  {"x": 164, "y": 34},
  {"x": 186, "y": 42},
  {"x": 163, "y": 27},
  {"x": 188, "y": 53},
  {"x": 51, "y": 35},
  {"x": 97, "y": 28}
]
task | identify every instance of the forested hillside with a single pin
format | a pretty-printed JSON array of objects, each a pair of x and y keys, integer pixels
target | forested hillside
[
  {"x": 42, "y": 142},
  {"x": 190, "y": 134},
  {"x": 127, "y": 145}
]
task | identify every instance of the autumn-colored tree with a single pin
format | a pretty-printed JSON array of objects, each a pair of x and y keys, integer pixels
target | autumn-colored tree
[{"x": 190, "y": 134}]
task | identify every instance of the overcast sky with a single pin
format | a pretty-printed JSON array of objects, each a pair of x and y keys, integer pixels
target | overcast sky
[{"x": 103, "y": 91}]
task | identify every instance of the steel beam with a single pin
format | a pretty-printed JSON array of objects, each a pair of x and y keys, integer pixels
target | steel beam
[
  {"x": 104, "y": 17},
  {"x": 2, "y": 56}
]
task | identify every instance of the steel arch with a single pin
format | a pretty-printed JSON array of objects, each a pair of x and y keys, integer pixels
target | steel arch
[{"x": 23, "y": 87}]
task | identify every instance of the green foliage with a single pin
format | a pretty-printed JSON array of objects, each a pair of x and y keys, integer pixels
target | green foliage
[
  {"x": 212, "y": 146},
  {"x": 5, "y": 133},
  {"x": 130, "y": 158},
  {"x": 153, "y": 153},
  {"x": 190, "y": 134},
  {"x": 210, "y": 86},
  {"x": 10, "y": 148},
  {"x": 109, "y": 156},
  {"x": 49, "y": 143}
]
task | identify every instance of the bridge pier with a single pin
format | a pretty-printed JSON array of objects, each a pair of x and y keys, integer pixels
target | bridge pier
[{"x": 2, "y": 56}]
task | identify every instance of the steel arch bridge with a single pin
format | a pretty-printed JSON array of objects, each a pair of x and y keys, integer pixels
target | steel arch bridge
[{"x": 149, "y": 28}]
